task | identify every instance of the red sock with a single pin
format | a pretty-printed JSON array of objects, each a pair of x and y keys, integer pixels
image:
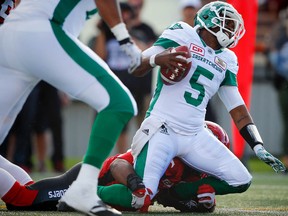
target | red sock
[{"x": 19, "y": 195}]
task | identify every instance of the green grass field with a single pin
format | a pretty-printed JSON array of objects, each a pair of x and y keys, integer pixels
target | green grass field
[{"x": 267, "y": 196}]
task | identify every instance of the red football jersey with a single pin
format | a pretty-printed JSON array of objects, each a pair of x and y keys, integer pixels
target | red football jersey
[{"x": 105, "y": 177}]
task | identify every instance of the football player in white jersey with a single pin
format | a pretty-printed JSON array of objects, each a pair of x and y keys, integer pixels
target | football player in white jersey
[
  {"x": 39, "y": 41},
  {"x": 174, "y": 124}
]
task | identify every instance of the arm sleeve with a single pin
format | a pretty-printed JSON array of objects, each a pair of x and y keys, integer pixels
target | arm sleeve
[
  {"x": 152, "y": 50},
  {"x": 230, "y": 97}
]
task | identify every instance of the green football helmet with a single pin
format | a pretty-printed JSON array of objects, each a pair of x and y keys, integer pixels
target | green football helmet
[{"x": 218, "y": 14}]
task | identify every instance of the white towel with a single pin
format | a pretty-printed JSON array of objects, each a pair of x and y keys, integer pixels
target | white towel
[{"x": 147, "y": 129}]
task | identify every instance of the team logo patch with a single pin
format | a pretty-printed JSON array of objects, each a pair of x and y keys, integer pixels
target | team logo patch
[
  {"x": 210, "y": 51},
  {"x": 176, "y": 26},
  {"x": 220, "y": 63},
  {"x": 197, "y": 49}
]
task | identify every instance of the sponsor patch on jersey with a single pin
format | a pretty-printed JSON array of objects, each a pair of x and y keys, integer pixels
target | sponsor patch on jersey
[
  {"x": 197, "y": 49},
  {"x": 220, "y": 63}
]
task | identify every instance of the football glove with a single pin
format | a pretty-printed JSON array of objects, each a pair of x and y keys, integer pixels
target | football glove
[
  {"x": 133, "y": 52},
  {"x": 141, "y": 199},
  {"x": 269, "y": 159}
]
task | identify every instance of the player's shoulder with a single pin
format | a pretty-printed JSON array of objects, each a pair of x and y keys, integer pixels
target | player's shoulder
[
  {"x": 228, "y": 54},
  {"x": 178, "y": 33}
]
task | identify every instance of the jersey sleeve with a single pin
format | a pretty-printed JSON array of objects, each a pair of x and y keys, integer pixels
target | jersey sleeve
[
  {"x": 106, "y": 165},
  {"x": 175, "y": 35},
  {"x": 232, "y": 70}
]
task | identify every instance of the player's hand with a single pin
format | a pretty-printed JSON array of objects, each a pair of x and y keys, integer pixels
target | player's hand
[
  {"x": 269, "y": 159},
  {"x": 133, "y": 52},
  {"x": 141, "y": 199},
  {"x": 172, "y": 59}
]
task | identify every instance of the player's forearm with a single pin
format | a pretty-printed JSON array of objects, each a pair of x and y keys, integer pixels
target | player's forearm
[
  {"x": 109, "y": 11},
  {"x": 124, "y": 173},
  {"x": 241, "y": 116},
  {"x": 144, "y": 68},
  {"x": 246, "y": 126},
  {"x": 120, "y": 169}
]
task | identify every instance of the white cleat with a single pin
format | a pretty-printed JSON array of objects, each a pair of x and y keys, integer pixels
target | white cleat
[{"x": 81, "y": 198}]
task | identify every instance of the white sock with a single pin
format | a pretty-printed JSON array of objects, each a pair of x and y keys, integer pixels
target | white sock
[
  {"x": 17, "y": 172},
  {"x": 88, "y": 173},
  {"x": 7, "y": 181}
]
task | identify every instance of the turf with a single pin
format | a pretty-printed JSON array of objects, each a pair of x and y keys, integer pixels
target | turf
[{"x": 267, "y": 196}]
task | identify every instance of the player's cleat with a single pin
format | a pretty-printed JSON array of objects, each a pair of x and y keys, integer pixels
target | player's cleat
[
  {"x": 81, "y": 198},
  {"x": 206, "y": 196}
]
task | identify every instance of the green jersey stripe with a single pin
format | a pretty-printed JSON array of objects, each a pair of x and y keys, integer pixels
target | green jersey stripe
[
  {"x": 230, "y": 79},
  {"x": 166, "y": 43},
  {"x": 62, "y": 10},
  {"x": 92, "y": 67}
]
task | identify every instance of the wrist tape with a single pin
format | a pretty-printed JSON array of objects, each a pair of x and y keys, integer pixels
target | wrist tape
[
  {"x": 250, "y": 133},
  {"x": 152, "y": 61},
  {"x": 134, "y": 182},
  {"x": 120, "y": 32}
]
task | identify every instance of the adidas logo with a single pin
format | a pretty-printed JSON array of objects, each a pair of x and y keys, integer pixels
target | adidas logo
[{"x": 146, "y": 131}]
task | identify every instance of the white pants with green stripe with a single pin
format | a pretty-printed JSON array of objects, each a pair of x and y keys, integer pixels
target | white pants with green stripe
[
  {"x": 202, "y": 151},
  {"x": 38, "y": 50}
]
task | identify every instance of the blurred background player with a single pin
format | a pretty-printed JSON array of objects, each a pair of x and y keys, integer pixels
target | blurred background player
[
  {"x": 278, "y": 58},
  {"x": 189, "y": 8},
  {"x": 49, "y": 117}
]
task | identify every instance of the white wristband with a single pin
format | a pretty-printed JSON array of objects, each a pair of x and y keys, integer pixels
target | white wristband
[
  {"x": 257, "y": 147},
  {"x": 152, "y": 61},
  {"x": 120, "y": 31}
]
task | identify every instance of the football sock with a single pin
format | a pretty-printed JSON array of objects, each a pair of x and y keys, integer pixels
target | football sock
[
  {"x": 17, "y": 172},
  {"x": 187, "y": 190},
  {"x": 105, "y": 131},
  {"x": 19, "y": 195},
  {"x": 7, "y": 182},
  {"x": 115, "y": 194}
]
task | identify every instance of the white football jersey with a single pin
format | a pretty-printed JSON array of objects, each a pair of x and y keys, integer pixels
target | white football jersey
[
  {"x": 71, "y": 15},
  {"x": 183, "y": 105},
  {"x": 5, "y": 7}
]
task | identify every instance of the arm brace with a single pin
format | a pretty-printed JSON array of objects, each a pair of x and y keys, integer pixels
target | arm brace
[{"x": 250, "y": 133}]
